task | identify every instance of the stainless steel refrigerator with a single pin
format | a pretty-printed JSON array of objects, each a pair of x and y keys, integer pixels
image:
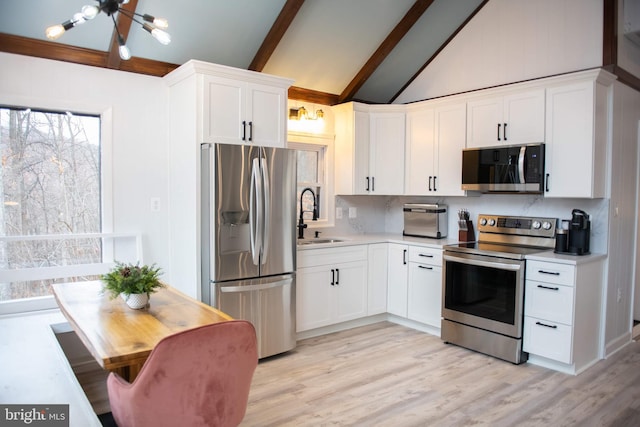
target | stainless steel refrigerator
[{"x": 249, "y": 240}]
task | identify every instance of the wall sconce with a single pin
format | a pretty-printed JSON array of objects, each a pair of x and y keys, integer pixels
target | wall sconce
[{"x": 301, "y": 114}]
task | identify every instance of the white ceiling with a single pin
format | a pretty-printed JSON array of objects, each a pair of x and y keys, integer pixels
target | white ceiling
[{"x": 324, "y": 48}]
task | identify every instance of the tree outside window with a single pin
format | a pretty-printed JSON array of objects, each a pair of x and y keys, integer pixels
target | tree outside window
[{"x": 50, "y": 182}]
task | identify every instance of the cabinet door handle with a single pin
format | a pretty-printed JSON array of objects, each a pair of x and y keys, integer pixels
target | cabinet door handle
[
  {"x": 504, "y": 131},
  {"x": 251, "y": 131},
  {"x": 425, "y": 267},
  {"x": 430, "y": 183},
  {"x": 551, "y": 288},
  {"x": 546, "y": 326},
  {"x": 499, "y": 131},
  {"x": 434, "y": 183},
  {"x": 426, "y": 255},
  {"x": 333, "y": 277},
  {"x": 553, "y": 273},
  {"x": 404, "y": 257},
  {"x": 337, "y": 276},
  {"x": 373, "y": 183},
  {"x": 367, "y": 189},
  {"x": 244, "y": 130},
  {"x": 546, "y": 184}
]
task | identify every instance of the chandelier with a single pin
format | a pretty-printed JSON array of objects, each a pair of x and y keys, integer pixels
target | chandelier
[{"x": 154, "y": 26}]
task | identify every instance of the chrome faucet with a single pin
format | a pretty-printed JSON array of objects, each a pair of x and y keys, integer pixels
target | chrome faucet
[{"x": 301, "y": 224}]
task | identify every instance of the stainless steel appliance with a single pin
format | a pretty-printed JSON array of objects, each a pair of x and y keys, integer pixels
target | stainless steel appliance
[
  {"x": 425, "y": 220},
  {"x": 504, "y": 169},
  {"x": 248, "y": 239},
  {"x": 484, "y": 283}
]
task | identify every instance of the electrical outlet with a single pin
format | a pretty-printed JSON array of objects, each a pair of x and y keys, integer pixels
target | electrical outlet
[
  {"x": 338, "y": 213},
  {"x": 155, "y": 204},
  {"x": 353, "y": 212}
]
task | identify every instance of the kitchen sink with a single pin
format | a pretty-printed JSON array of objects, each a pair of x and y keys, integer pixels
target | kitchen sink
[{"x": 317, "y": 241}]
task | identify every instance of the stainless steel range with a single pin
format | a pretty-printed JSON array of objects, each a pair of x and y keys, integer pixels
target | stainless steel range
[{"x": 484, "y": 283}]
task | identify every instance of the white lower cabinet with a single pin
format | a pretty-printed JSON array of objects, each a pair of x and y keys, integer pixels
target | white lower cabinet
[
  {"x": 415, "y": 283},
  {"x": 397, "y": 279},
  {"x": 331, "y": 286},
  {"x": 562, "y": 314},
  {"x": 377, "y": 278},
  {"x": 425, "y": 285}
]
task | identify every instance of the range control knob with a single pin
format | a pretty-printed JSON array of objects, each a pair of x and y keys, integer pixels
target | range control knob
[
  {"x": 546, "y": 225},
  {"x": 483, "y": 221},
  {"x": 492, "y": 222},
  {"x": 536, "y": 225}
]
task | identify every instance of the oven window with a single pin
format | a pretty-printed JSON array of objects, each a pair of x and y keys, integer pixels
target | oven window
[{"x": 480, "y": 291}]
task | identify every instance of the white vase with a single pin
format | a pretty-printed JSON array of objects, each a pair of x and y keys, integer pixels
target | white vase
[{"x": 136, "y": 301}]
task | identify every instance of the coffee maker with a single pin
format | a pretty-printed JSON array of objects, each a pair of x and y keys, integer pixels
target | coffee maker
[{"x": 575, "y": 239}]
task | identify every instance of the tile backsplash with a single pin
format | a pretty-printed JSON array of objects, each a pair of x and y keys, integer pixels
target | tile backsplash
[{"x": 383, "y": 214}]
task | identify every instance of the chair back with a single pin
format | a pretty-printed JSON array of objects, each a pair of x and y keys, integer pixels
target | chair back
[{"x": 198, "y": 377}]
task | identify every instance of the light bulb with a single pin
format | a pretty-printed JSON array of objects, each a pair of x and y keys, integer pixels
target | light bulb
[
  {"x": 161, "y": 23},
  {"x": 54, "y": 32},
  {"x": 90, "y": 12},
  {"x": 78, "y": 18},
  {"x": 124, "y": 51},
  {"x": 162, "y": 36}
]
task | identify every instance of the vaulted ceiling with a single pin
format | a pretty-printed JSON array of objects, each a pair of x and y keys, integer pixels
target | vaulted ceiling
[{"x": 335, "y": 50}]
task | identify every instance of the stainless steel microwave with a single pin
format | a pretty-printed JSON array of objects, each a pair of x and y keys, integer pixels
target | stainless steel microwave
[{"x": 504, "y": 169}]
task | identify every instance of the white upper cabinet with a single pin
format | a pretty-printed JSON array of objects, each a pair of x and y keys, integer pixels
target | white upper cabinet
[
  {"x": 229, "y": 105},
  {"x": 576, "y": 137},
  {"x": 435, "y": 140},
  {"x": 369, "y": 149},
  {"x": 386, "y": 153},
  {"x": 512, "y": 118},
  {"x": 237, "y": 112}
]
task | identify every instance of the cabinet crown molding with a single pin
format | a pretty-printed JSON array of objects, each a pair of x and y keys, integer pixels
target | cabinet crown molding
[{"x": 194, "y": 67}]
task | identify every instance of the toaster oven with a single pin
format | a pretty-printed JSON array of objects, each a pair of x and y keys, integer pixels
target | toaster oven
[{"x": 425, "y": 220}]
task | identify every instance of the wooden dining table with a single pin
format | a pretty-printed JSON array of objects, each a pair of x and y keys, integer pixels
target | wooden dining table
[{"x": 121, "y": 338}]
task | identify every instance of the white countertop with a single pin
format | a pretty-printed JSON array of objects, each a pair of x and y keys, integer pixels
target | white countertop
[
  {"x": 366, "y": 239},
  {"x": 550, "y": 256}
]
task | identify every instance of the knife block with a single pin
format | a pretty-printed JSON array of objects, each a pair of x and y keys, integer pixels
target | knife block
[{"x": 467, "y": 235}]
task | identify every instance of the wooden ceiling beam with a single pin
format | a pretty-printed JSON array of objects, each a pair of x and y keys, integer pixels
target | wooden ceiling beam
[
  {"x": 51, "y": 50},
  {"x": 312, "y": 96},
  {"x": 394, "y": 37},
  {"x": 78, "y": 55},
  {"x": 440, "y": 49},
  {"x": 124, "y": 25},
  {"x": 277, "y": 31}
]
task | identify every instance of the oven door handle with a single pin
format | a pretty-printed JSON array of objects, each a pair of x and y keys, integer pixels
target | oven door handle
[{"x": 481, "y": 263}]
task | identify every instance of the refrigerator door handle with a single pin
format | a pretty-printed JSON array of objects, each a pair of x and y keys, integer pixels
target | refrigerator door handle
[
  {"x": 255, "y": 207},
  {"x": 266, "y": 210},
  {"x": 248, "y": 288}
]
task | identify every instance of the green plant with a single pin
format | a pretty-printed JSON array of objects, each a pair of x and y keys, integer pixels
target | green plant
[{"x": 131, "y": 279}]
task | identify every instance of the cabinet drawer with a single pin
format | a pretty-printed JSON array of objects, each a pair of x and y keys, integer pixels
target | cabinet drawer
[
  {"x": 424, "y": 255},
  {"x": 548, "y": 272},
  {"x": 549, "y": 301},
  {"x": 326, "y": 256},
  {"x": 547, "y": 339}
]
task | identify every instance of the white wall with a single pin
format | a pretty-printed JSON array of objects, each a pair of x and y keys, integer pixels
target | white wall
[
  {"x": 514, "y": 40},
  {"x": 136, "y": 141}
]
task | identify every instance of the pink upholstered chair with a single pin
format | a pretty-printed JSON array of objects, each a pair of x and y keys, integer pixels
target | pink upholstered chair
[{"x": 198, "y": 377}]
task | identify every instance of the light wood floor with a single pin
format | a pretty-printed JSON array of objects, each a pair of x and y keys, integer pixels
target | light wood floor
[{"x": 389, "y": 375}]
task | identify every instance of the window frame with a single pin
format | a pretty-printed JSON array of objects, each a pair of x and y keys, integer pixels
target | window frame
[
  {"x": 298, "y": 140},
  {"x": 105, "y": 113}
]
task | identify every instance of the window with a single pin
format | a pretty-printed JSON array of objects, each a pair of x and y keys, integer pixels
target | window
[
  {"x": 50, "y": 182},
  {"x": 314, "y": 171}
]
